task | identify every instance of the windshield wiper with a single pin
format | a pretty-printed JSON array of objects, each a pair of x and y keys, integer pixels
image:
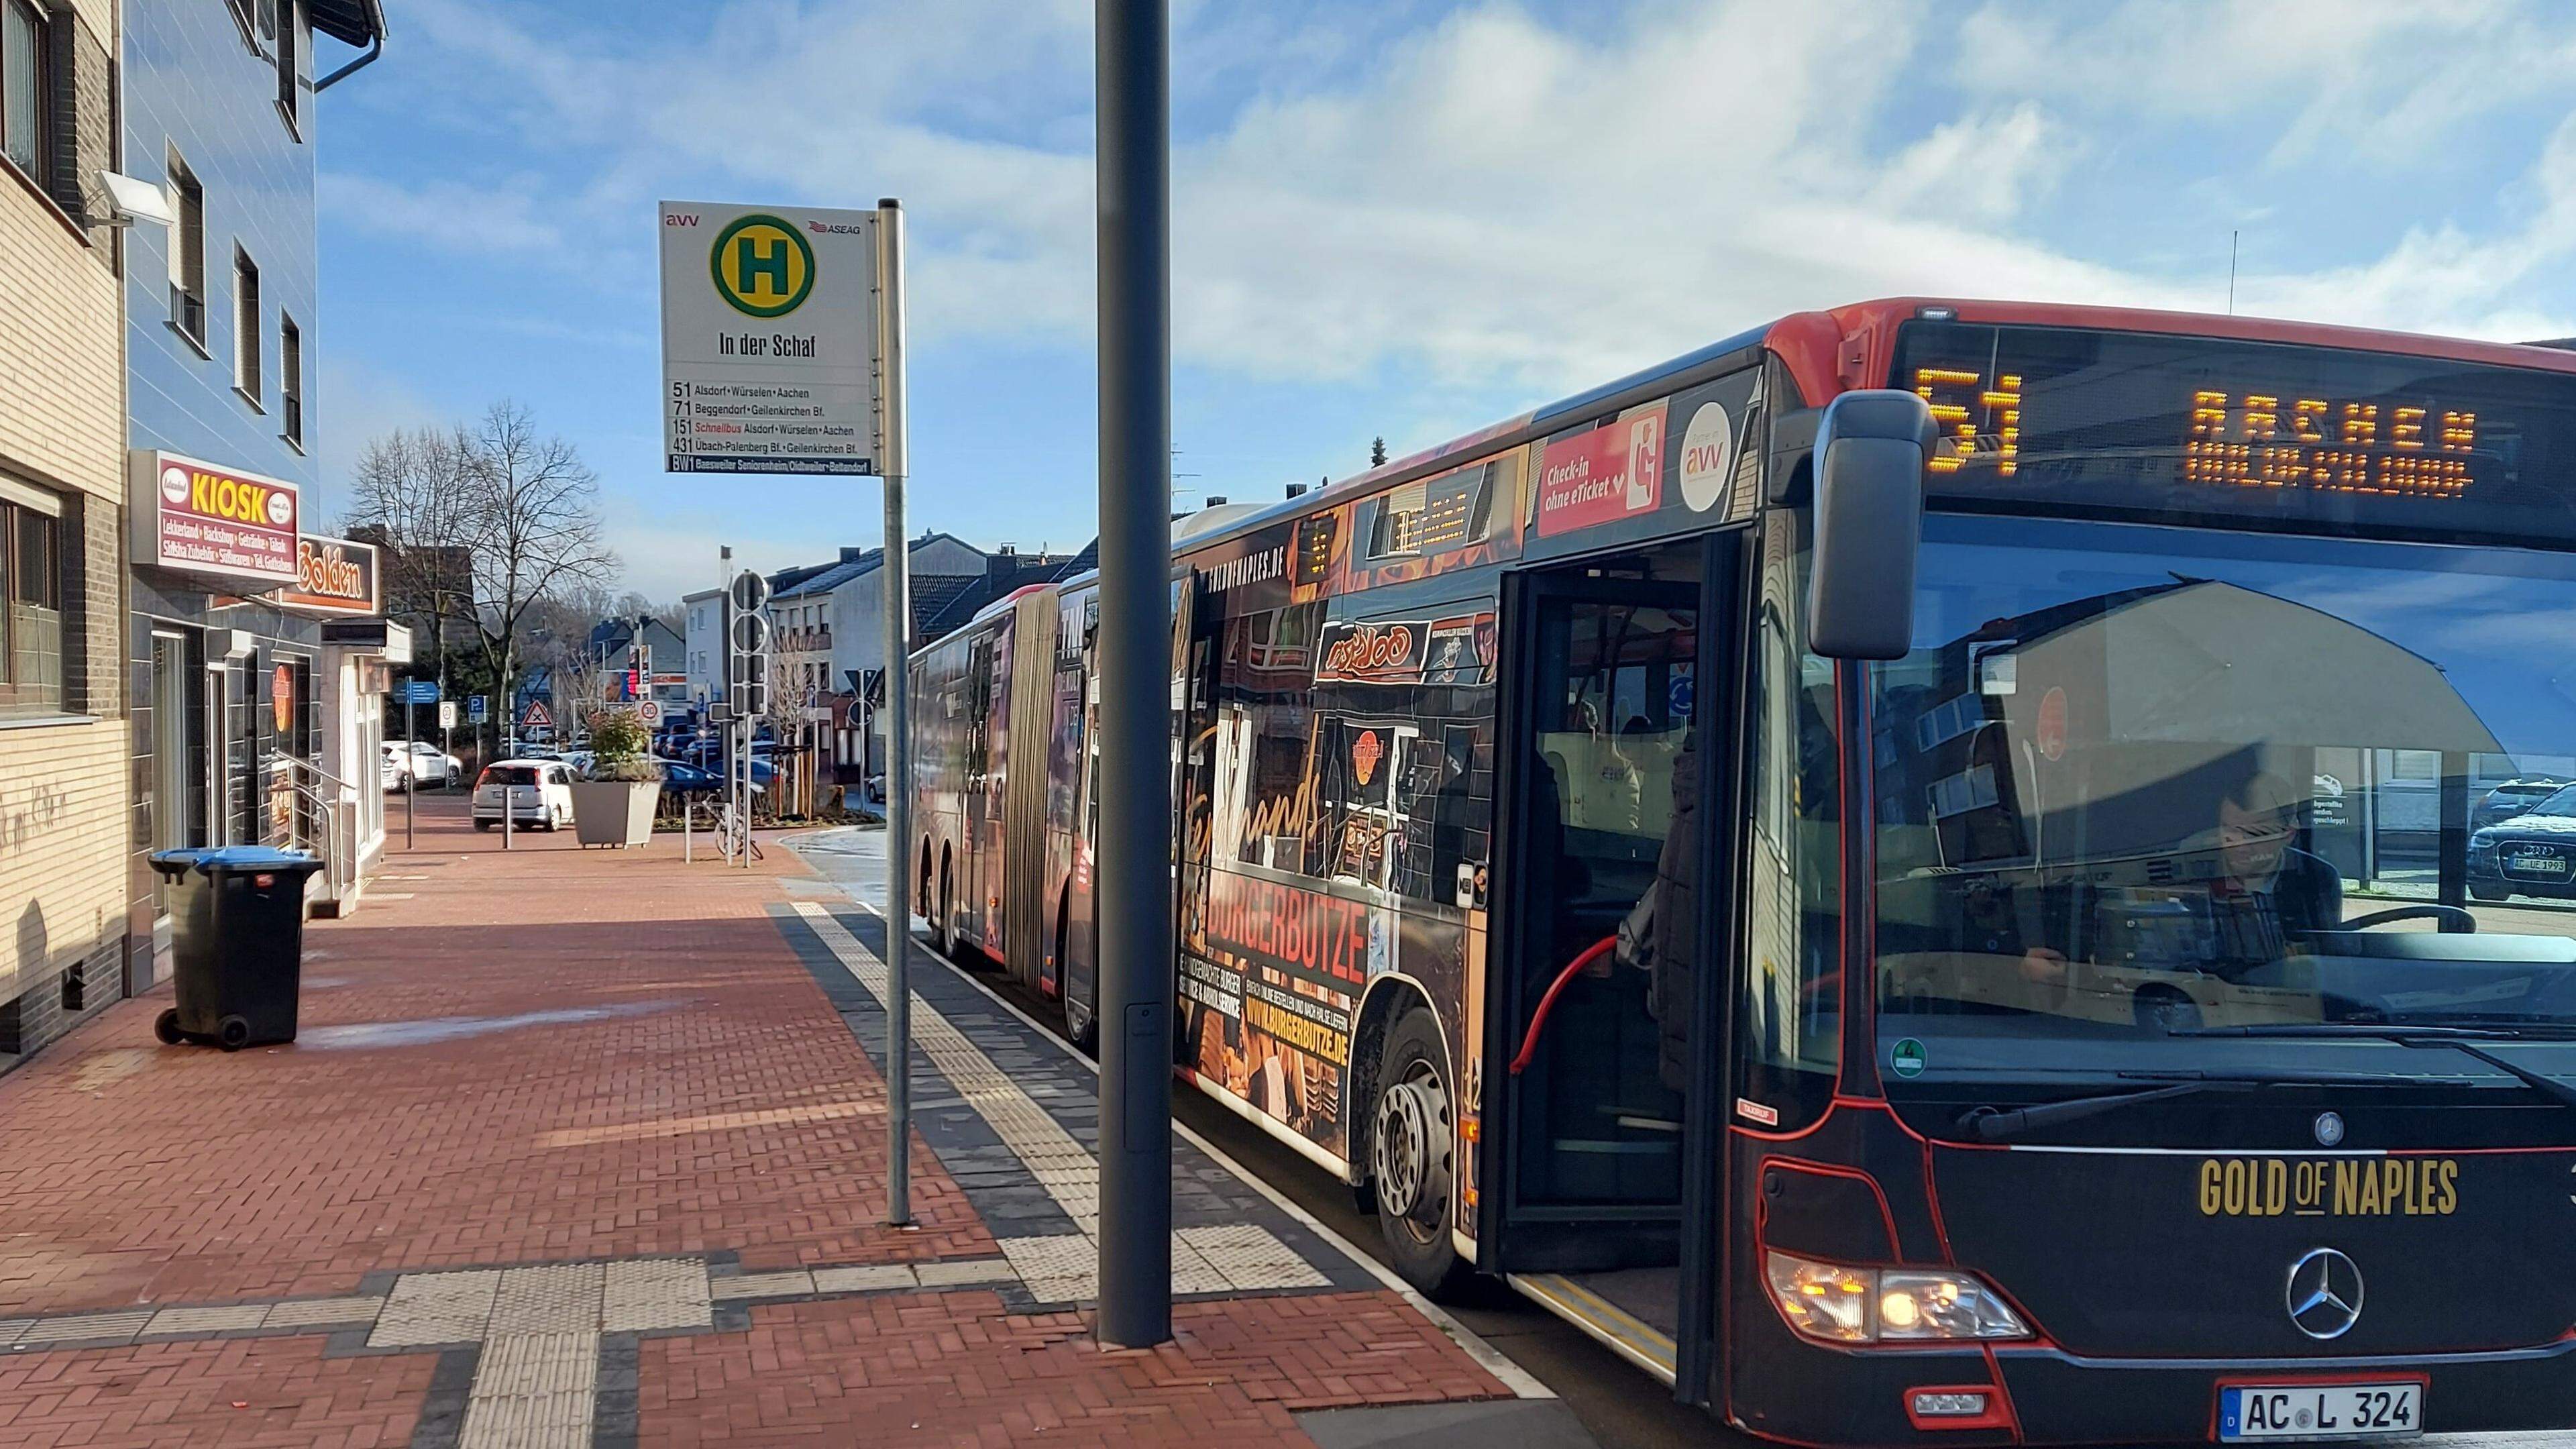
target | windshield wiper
[
  {"x": 1994, "y": 1124},
  {"x": 2461, "y": 1039}
]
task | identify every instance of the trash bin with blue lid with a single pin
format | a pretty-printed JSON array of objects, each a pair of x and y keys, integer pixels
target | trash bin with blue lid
[{"x": 236, "y": 943}]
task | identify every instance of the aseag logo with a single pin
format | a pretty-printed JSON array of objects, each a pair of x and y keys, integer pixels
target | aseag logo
[{"x": 761, "y": 266}]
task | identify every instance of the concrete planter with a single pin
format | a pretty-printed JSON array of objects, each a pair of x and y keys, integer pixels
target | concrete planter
[{"x": 614, "y": 812}]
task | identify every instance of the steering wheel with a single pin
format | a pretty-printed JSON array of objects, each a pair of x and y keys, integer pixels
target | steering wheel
[{"x": 2455, "y": 920}]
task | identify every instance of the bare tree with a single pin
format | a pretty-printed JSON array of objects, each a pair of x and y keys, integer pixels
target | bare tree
[
  {"x": 635, "y": 605},
  {"x": 408, "y": 497},
  {"x": 786, "y": 717},
  {"x": 532, "y": 518}
]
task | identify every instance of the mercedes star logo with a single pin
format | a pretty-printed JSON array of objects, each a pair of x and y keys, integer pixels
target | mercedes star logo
[
  {"x": 2325, "y": 1294},
  {"x": 2329, "y": 1129}
]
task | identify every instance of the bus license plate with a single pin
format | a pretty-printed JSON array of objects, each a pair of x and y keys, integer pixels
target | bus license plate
[{"x": 2258, "y": 1412}]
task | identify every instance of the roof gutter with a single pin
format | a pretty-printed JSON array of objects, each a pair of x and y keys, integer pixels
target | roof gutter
[{"x": 375, "y": 48}]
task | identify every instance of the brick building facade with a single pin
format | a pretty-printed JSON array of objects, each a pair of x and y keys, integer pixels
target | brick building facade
[{"x": 63, "y": 788}]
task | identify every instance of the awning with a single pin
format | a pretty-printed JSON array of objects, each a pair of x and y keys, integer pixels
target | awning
[{"x": 352, "y": 22}]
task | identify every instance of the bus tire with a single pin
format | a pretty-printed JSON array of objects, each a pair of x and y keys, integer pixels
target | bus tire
[
  {"x": 1413, "y": 1153},
  {"x": 1079, "y": 1028},
  {"x": 943, "y": 934}
]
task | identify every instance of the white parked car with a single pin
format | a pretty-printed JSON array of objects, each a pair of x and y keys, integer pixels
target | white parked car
[
  {"x": 429, "y": 765},
  {"x": 389, "y": 768},
  {"x": 538, "y": 793}
]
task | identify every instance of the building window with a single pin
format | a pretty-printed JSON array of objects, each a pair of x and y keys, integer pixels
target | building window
[
  {"x": 26, "y": 88},
  {"x": 242, "y": 18},
  {"x": 188, "y": 255},
  {"x": 290, "y": 377},
  {"x": 287, "y": 34},
  {"x": 246, "y": 364},
  {"x": 31, "y": 581}
]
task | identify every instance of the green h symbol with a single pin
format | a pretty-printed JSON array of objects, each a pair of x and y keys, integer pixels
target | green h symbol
[{"x": 748, "y": 262}]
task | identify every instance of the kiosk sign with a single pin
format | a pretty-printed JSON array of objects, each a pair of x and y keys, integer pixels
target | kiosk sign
[
  {"x": 769, "y": 340},
  {"x": 197, "y": 518}
]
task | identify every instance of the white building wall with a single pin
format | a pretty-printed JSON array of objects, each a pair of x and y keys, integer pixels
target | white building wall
[
  {"x": 704, "y": 628},
  {"x": 858, "y": 607}
]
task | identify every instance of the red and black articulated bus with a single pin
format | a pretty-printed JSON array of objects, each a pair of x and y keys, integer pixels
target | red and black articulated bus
[{"x": 1932, "y": 873}]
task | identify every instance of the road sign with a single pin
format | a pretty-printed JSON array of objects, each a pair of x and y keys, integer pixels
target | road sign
[
  {"x": 478, "y": 708},
  {"x": 769, "y": 339},
  {"x": 447, "y": 714},
  {"x": 537, "y": 716},
  {"x": 416, "y": 691},
  {"x": 649, "y": 712},
  {"x": 750, "y": 592},
  {"x": 750, "y": 633}
]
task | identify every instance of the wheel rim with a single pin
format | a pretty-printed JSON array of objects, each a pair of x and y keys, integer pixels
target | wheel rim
[{"x": 1409, "y": 1148}]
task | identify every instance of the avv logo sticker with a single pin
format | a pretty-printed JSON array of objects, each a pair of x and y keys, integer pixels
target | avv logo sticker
[{"x": 1708, "y": 457}]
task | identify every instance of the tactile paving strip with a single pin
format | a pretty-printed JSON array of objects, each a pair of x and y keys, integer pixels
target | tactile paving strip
[{"x": 1062, "y": 1268}]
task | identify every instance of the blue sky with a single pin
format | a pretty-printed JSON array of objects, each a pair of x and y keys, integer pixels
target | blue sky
[{"x": 1397, "y": 217}]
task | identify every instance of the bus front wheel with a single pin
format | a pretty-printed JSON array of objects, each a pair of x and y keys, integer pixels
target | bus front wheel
[{"x": 1413, "y": 1134}]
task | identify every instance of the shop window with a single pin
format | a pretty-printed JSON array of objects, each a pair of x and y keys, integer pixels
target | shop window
[{"x": 31, "y": 581}]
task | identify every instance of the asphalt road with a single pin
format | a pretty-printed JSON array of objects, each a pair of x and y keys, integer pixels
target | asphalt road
[{"x": 1621, "y": 1407}]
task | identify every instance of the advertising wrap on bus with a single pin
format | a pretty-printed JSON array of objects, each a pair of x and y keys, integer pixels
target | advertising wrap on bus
[{"x": 2129, "y": 997}]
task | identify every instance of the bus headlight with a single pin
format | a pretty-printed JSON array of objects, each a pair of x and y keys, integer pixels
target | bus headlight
[{"x": 1831, "y": 1303}]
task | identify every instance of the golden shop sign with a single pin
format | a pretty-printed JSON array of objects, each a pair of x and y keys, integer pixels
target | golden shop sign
[{"x": 334, "y": 576}]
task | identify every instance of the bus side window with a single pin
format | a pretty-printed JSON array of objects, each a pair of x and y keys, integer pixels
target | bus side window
[{"x": 1789, "y": 1008}]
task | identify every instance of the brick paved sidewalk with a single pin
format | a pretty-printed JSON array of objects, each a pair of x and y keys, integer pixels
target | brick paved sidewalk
[{"x": 584, "y": 1147}]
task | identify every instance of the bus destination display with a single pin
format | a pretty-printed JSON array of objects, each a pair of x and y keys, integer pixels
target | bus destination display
[{"x": 2143, "y": 421}]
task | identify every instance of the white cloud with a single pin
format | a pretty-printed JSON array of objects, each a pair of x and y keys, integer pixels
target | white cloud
[
  {"x": 1495, "y": 200},
  {"x": 2379, "y": 80},
  {"x": 445, "y": 215}
]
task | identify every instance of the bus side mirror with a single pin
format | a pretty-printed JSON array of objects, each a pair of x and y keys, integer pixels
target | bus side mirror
[{"x": 1871, "y": 451}]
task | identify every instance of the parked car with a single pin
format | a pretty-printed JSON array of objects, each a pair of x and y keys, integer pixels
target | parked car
[
  {"x": 680, "y": 777},
  {"x": 390, "y": 772},
  {"x": 2513, "y": 797},
  {"x": 535, "y": 792},
  {"x": 431, "y": 765},
  {"x": 2530, "y": 854},
  {"x": 710, "y": 758}
]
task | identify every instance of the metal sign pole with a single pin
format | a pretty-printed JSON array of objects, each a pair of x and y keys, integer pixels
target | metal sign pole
[
  {"x": 411, "y": 770},
  {"x": 1134, "y": 890},
  {"x": 894, "y": 461}
]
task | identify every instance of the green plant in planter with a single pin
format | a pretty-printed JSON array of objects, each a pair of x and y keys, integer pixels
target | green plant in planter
[{"x": 620, "y": 748}]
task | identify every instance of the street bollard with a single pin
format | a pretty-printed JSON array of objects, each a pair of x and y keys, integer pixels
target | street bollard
[{"x": 509, "y": 811}]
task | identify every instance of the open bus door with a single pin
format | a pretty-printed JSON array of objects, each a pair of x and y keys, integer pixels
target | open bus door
[{"x": 1608, "y": 995}]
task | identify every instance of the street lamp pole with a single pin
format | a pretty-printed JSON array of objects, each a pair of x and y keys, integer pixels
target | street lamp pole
[{"x": 1134, "y": 873}]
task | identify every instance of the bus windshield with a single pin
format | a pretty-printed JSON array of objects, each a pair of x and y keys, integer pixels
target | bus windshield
[{"x": 2138, "y": 785}]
